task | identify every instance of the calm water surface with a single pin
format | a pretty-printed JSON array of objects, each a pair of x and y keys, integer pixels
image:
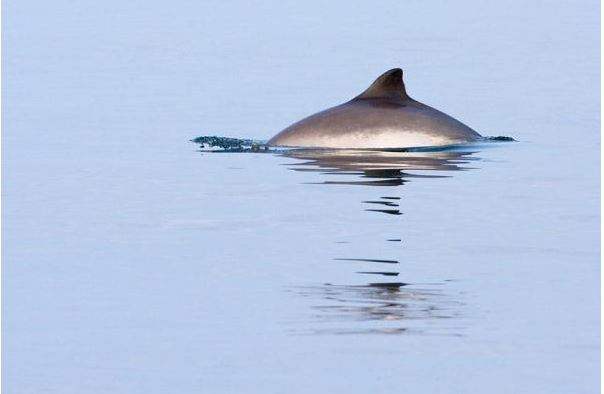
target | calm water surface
[{"x": 133, "y": 263}]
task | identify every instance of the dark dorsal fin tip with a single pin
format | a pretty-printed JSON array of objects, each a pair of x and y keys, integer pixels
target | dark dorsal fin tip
[{"x": 389, "y": 85}]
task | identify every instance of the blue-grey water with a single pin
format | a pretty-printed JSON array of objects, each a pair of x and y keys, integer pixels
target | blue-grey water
[{"x": 133, "y": 263}]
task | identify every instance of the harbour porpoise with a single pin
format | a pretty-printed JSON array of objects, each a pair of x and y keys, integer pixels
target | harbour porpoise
[{"x": 383, "y": 116}]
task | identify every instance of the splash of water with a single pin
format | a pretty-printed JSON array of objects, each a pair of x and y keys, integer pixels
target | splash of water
[{"x": 229, "y": 144}]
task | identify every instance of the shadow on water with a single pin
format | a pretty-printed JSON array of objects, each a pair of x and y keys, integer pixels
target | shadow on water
[{"x": 384, "y": 307}]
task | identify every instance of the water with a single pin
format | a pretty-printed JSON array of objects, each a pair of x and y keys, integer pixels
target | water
[{"x": 133, "y": 263}]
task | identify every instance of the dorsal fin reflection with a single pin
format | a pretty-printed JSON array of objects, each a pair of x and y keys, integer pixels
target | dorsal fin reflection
[{"x": 384, "y": 300}]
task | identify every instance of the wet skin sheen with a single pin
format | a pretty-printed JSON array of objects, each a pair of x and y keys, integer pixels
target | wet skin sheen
[{"x": 383, "y": 116}]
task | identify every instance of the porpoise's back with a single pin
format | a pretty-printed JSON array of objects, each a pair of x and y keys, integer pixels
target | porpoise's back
[{"x": 383, "y": 116}]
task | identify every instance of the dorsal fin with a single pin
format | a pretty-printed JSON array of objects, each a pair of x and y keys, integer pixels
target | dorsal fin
[{"x": 389, "y": 85}]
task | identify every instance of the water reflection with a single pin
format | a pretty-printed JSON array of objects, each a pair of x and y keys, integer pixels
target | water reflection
[
  {"x": 378, "y": 168},
  {"x": 370, "y": 260},
  {"x": 385, "y": 273},
  {"x": 381, "y": 307}
]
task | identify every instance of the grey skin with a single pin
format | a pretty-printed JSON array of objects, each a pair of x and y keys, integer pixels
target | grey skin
[{"x": 383, "y": 116}]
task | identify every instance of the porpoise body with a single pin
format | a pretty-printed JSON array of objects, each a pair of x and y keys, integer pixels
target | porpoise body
[{"x": 383, "y": 116}]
